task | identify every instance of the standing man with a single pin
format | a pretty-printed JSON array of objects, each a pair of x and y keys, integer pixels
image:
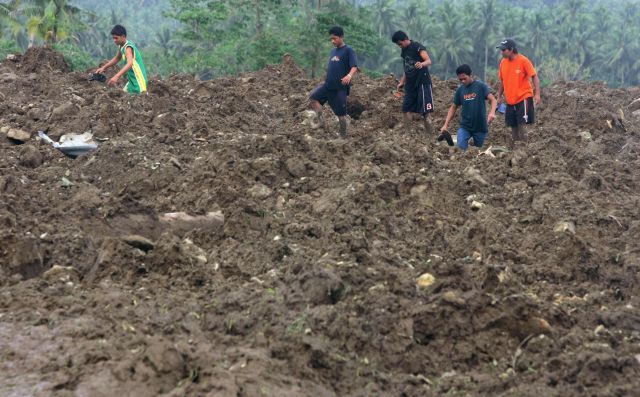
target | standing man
[
  {"x": 343, "y": 65},
  {"x": 134, "y": 67},
  {"x": 471, "y": 95},
  {"x": 516, "y": 72},
  {"x": 418, "y": 94}
]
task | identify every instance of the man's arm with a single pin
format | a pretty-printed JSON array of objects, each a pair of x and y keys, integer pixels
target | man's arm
[
  {"x": 112, "y": 62},
  {"x": 129, "y": 54},
  {"x": 426, "y": 60},
  {"x": 492, "y": 112},
  {"x": 450, "y": 114},
  {"x": 347, "y": 79},
  {"x": 401, "y": 82},
  {"x": 500, "y": 91},
  {"x": 536, "y": 88}
]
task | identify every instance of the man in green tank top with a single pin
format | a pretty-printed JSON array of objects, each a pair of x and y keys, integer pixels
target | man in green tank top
[{"x": 134, "y": 67}]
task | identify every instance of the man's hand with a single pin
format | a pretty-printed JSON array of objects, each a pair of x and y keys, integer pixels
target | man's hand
[
  {"x": 536, "y": 99},
  {"x": 399, "y": 86},
  {"x": 444, "y": 128},
  {"x": 100, "y": 70},
  {"x": 346, "y": 79},
  {"x": 419, "y": 65},
  {"x": 491, "y": 117},
  {"x": 114, "y": 80}
]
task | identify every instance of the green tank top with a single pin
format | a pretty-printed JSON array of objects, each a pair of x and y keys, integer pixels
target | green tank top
[{"x": 137, "y": 75}]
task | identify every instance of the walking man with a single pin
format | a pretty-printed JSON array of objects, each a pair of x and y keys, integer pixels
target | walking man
[
  {"x": 133, "y": 68},
  {"x": 416, "y": 80},
  {"x": 516, "y": 72},
  {"x": 471, "y": 95},
  {"x": 343, "y": 65}
]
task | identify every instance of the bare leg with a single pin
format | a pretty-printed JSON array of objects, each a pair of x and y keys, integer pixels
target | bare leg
[
  {"x": 428, "y": 127},
  {"x": 343, "y": 126},
  {"x": 518, "y": 135},
  {"x": 317, "y": 107}
]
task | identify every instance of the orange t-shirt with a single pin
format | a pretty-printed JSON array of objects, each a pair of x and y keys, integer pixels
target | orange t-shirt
[{"x": 516, "y": 78}]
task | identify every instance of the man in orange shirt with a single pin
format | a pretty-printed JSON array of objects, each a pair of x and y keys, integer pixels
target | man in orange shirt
[{"x": 516, "y": 72}]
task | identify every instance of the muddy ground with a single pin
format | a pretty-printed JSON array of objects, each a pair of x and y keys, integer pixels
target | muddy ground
[{"x": 299, "y": 271}]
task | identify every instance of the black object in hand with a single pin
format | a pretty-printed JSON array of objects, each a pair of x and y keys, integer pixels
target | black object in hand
[
  {"x": 446, "y": 136},
  {"x": 98, "y": 77}
]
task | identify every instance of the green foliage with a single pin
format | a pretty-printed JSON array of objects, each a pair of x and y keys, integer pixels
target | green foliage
[
  {"x": 8, "y": 47},
  {"x": 573, "y": 39},
  {"x": 76, "y": 57}
]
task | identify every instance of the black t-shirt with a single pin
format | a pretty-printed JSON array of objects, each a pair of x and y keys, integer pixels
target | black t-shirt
[
  {"x": 411, "y": 55},
  {"x": 473, "y": 98},
  {"x": 341, "y": 61}
]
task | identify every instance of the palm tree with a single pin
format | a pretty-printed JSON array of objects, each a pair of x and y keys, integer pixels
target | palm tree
[
  {"x": 48, "y": 19},
  {"x": 455, "y": 42},
  {"x": 486, "y": 29}
]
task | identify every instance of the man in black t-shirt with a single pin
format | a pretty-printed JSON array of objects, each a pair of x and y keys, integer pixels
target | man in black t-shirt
[
  {"x": 343, "y": 64},
  {"x": 416, "y": 80}
]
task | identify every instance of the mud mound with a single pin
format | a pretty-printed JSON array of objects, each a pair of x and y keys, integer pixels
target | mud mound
[
  {"x": 42, "y": 60},
  {"x": 217, "y": 243}
]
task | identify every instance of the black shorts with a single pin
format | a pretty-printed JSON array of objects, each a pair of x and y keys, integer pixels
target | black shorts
[
  {"x": 522, "y": 112},
  {"x": 337, "y": 99},
  {"x": 418, "y": 99}
]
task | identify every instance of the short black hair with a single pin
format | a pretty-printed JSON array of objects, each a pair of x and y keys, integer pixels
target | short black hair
[
  {"x": 399, "y": 36},
  {"x": 118, "y": 30},
  {"x": 464, "y": 69},
  {"x": 337, "y": 31}
]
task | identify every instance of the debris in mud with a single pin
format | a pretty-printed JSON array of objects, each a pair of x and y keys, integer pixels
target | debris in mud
[
  {"x": 65, "y": 182},
  {"x": 72, "y": 145},
  {"x": 477, "y": 205},
  {"x": 139, "y": 242}
]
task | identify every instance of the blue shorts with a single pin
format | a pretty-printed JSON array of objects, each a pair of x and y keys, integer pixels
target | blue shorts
[
  {"x": 464, "y": 136},
  {"x": 337, "y": 99},
  {"x": 418, "y": 99}
]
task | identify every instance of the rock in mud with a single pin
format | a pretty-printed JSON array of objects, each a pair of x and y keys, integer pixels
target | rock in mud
[
  {"x": 140, "y": 242},
  {"x": 164, "y": 357},
  {"x": 323, "y": 287},
  {"x": 61, "y": 273},
  {"x": 564, "y": 227},
  {"x": 425, "y": 281},
  {"x": 477, "y": 206},
  {"x": 63, "y": 111},
  {"x": 474, "y": 175},
  {"x": 27, "y": 259},
  {"x": 8, "y": 77},
  {"x": 585, "y": 135},
  {"x": 181, "y": 223},
  {"x": 36, "y": 114},
  {"x": 18, "y": 135},
  {"x": 259, "y": 191},
  {"x": 29, "y": 156}
]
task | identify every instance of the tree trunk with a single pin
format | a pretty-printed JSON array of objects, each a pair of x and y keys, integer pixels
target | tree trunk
[
  {"x": 486, "y": 60},
  {"x": 258, "y": 18}
]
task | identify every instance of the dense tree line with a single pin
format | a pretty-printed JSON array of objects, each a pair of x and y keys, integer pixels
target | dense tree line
[{"x": 569, "y": 39}]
